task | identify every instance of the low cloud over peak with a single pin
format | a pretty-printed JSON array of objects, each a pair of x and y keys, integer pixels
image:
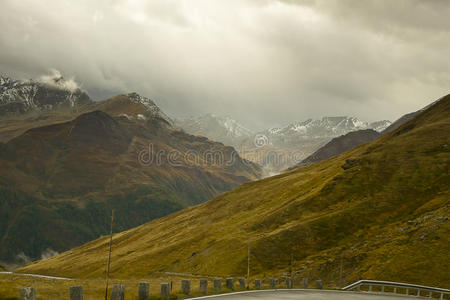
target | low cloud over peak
[{"x": 55, "y": 79}]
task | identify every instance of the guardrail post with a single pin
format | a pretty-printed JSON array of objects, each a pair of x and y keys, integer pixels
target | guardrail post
[
  {"x": 241, "y": 283},
  {"x": 258, "y": 284},
  {"x": 204, "y": 286},
  {"x": 272, "y": 283},
  {"x": 165, "y": 290},
  {"x": 418, "y": 292},
  {"x": 118, "y": 292},
  {"x": 370, "y": 288},
  {"x": 442, "y": 296},
  {"x": 382, "y": 288},
  {"x": 289, "y": 282},
  {"x": 76, "y": 293},
  {"x": 143, "y": 290},
  {"x": 28, "y": 293},
  {"x": 319, "y": 284},
  {"x": 395, "y": 290},
  {"x": 218, "y": 285},
  {"x": 305, "y": 283},
  {"x": 230, "y": 283},
  {"x": 186, "y": 286}
]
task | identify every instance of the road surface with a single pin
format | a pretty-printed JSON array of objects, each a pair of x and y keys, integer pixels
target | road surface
[{"x": 303, "y": 295}]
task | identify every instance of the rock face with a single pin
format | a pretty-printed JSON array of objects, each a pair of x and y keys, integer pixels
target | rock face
[{"x": 18, "y": 97}]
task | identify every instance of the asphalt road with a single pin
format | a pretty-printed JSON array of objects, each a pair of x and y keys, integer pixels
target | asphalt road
[{"x": 303, "y": 295}]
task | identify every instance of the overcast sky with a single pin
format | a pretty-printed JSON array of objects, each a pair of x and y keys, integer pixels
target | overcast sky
[{"x": 263, "y": 62}]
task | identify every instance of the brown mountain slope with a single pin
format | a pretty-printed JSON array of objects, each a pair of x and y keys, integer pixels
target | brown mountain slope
[
  {"x": 59, "y": 182},
  {"x": 339, "y": 145},
  {"x": 405, "y": 118},
  {"x": 379, "y": 211}
]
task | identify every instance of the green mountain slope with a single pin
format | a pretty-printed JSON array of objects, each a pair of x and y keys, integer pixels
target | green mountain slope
[
  {"x": 379, "y": 211},
  {"x": 58, "y": 183}
]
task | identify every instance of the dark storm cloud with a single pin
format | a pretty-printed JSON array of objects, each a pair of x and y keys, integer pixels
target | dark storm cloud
[{"x": 262, "y": 62}]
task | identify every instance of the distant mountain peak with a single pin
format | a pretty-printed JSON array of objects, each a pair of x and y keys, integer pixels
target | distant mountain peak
[
  {"x": 46, "y": 93},
  {"x": 219, "y": 128},
  {"x": 135, "y": 97},
  {"x": 150, "y": 105},
  {"x": 328, "y": 126}
]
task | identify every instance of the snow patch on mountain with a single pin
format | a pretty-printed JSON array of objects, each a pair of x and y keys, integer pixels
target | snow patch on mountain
[
  {"x": 234, "y": 129},
  {"x": 151, "y": 106},
  {"x": 218, "y": 128},
  {"x": 46, "y": 93},
  {"x": 327, "y": 127}
]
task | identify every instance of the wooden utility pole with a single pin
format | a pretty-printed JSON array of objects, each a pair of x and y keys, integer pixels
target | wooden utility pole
[
  {"x": 248, "y": 264},
  {"x": 109, "y": 254},
  {"x": 340, "y": 272}
]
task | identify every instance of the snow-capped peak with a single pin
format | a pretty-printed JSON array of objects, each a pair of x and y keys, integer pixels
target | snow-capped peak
[
  {"x": 327, "y": 127},
  {"x": 218, "y": 128},
  {"x": 20, "y": 96},
  {"x": 150, "y": 105},
  {"x": 234, "y": 128}
]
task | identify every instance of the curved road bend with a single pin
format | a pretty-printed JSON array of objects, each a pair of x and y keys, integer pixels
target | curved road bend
[{"x": 303, "y": 295}]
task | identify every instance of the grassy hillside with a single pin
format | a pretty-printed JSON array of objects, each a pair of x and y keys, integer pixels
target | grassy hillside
[
  {"x": 379, "y": 211},
  {"x": 59, "y": 182},
  {"x": 339, "y": 145}
]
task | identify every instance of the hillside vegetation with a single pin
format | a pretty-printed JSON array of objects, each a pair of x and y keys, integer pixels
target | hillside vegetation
[
  {"x": 340, "y": 144},
  {"x": 379, "y": 211},
  {"x": 59, "y": 182}
]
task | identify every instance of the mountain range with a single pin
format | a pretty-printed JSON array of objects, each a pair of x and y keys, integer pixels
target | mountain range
[
  {"x": 281, "y": 147},
  {"x": 287, "y": 146},
  {"x": 353, "y": 139},
  {"x": 63, "y": 170},
  {"x": 326, "y": 127},
  {"x": 378, "y": 211}
]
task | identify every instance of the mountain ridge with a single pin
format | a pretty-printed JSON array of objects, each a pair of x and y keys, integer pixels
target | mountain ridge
[
  {"x": 282, "y": 147},
  {"x": 340, "y": 144},
  {"x": 120, "y": 153},
  {"x": 378, "y": 211},
  {"x": 18, "y": 96}
]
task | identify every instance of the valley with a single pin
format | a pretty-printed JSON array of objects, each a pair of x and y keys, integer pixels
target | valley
[
  {"x": 376, "y": 211},
  {"x": 272, "y": 149}
]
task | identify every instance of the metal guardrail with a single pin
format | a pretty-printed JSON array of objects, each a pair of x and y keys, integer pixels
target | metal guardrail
[{"x": 397, "y": 285}]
